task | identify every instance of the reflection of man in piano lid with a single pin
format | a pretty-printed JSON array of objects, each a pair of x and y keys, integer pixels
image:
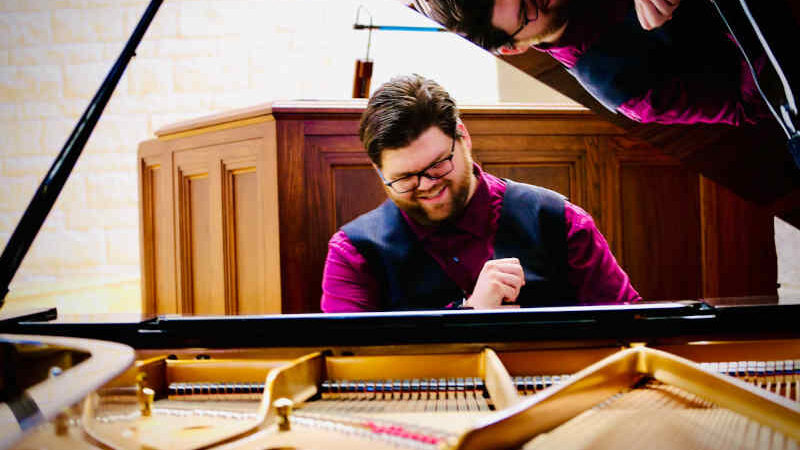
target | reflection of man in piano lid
[
  {"x": 631, "y": 55},
  {"x": 452, "y": 235}
]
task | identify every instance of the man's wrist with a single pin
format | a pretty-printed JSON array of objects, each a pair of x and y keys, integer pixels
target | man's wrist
[{"x": 460, "y": 304}]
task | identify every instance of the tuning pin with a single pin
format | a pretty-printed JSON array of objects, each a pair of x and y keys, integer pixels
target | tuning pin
[
  {"x": 144, "y": 395},
  {"x": 283, "y": 406},
  {"x": 61, "y": 422},
  {"x": 146, "y": 402},
  {"x": 141, "y": 377}
]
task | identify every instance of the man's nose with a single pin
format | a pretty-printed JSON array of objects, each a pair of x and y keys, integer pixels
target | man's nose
[{"x": 426, "y": 183}]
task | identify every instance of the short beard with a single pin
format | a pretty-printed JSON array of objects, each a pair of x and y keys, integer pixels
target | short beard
[{"x": 460, "y": 194}]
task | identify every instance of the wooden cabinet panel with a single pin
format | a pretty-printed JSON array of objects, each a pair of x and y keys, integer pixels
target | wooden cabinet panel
[
  {"x": 356, "y": 190},
  {"x": 157, "y": 235},
  {"x": 242, "y": 255},
  {"x": 550, "y": 176},
  {"x": 734, "y": 262},
  {"x": 553, "y": 162},
  {"x": 197, "y": 261},
  {"x": 294, "y": 184},
  {"x": 242, "y": 242},
  {"x": 197, "y": 230},
  {"x": 661, "y": 230}
]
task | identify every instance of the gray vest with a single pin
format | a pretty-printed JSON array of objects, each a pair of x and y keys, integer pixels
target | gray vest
[{"x": 531, "y": 227}]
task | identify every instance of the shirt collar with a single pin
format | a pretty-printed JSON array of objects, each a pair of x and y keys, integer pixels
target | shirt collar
[{"x": 475, "y": 218}]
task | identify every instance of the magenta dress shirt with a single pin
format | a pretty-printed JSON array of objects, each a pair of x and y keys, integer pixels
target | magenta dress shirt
[{"x": 463, "y": 247}]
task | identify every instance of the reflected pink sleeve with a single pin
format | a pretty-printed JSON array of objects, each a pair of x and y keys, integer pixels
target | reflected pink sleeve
[
  {"x": 685, "y": 101},
  {"x": 347, "y": 284},
  {"x": 593, "y": 270},
  {"x": 677, "y": 104}
]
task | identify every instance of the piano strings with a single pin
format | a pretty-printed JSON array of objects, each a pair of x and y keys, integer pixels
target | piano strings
[
  {"x": 658, "y": 416},
  {"x": 779, "y": 377}
]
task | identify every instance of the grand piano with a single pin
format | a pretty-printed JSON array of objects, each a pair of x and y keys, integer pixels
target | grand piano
[{"x": 704, "y": 373}]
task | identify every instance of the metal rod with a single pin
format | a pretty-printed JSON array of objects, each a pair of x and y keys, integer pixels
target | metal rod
[
  {"x": 44, "y": 198},
  {"x": 395, "y": 28}
]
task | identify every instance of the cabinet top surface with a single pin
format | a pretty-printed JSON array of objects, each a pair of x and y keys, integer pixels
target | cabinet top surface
[{"x": 299, "y": 108}]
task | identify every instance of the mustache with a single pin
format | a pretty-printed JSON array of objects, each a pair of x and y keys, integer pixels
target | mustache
[{"x": 435, "y": 189}]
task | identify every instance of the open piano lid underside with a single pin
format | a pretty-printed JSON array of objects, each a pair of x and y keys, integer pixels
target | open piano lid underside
[{"x": 752, "y": 160}]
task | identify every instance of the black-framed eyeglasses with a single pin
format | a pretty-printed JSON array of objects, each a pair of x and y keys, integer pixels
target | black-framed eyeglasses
[
  {"x": 435, "y": 171},
  {"x": 523, "y": 13}
]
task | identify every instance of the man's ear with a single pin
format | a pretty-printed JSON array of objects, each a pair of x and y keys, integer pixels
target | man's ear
[{"x": 462, "y": 129}]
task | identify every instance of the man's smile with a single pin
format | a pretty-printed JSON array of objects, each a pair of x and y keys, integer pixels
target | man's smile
[{"x": 433, "y": 196}]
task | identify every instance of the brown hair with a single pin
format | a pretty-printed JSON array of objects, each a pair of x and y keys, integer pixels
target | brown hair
[
  {"x": 471, "y": 19},
  {"x": 401, "y": 110}
]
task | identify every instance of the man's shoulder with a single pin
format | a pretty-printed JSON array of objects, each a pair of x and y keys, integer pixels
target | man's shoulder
[
  {"x": 525, "y": 203},
  {"x": 378, "y": 220},
  {"x": 529, "y": 192},
  {"x": 385, "y": 208}
]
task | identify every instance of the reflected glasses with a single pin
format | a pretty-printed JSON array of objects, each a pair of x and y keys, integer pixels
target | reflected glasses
[
  {"x": 523, "y": 13},
  {"x": 433, "y": 172}
]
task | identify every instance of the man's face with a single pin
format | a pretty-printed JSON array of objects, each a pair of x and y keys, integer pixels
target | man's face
[
  {"x": 546, "y": 21},
  {"x": 433, "y": 201}
]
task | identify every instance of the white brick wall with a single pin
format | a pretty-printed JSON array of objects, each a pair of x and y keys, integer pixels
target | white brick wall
[
  {"x": 198, "y": 57},
  {"x": 21, "y": 137},
  {"x": 22, "y": 165},
  {"x": 787, "y": 240},
  {"x": 27, "y": 28}
]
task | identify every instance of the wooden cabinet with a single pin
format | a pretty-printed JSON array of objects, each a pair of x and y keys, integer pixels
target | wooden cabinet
[
  {"x": 237, "y": 208},
  {"x": 209, "y": 226}
]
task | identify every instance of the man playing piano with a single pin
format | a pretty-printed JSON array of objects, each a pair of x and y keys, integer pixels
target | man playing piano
[
  {"x": 452, "y": 235},
  {"x": 630, "y": 55}
]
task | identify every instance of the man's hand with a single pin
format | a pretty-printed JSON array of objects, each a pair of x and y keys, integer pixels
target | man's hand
[
  {"x": 654, "y": 13},
  {"x": 499, "y": 282}
]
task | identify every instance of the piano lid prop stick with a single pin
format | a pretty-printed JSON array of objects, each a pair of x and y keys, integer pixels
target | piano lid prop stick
[{"x": 47, "y": 193}]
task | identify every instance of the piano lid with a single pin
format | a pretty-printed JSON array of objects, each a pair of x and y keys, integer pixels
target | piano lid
[
  {"x": 741, "y": 318},
  {"x": 751, "y": 159}
]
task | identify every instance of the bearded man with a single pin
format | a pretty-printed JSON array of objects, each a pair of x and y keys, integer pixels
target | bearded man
[{"x": 451, "y": 235}]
